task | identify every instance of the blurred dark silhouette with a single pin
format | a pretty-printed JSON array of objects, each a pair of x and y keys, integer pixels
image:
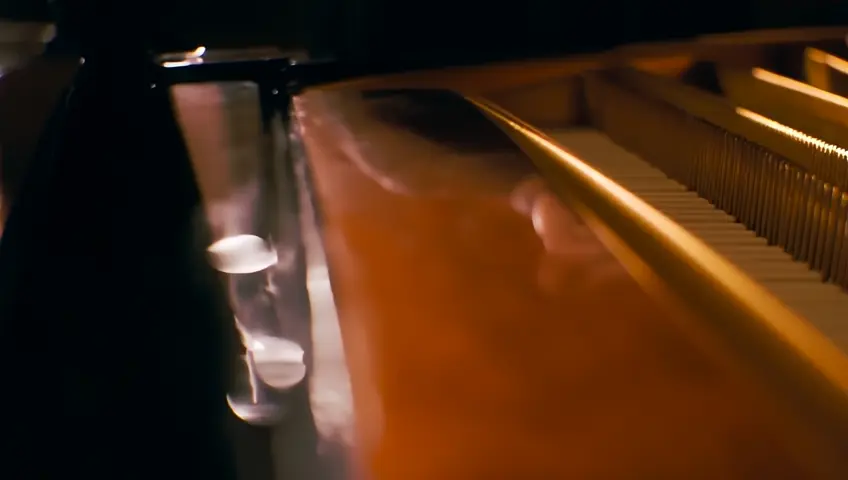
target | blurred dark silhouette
[
  {"x": 116, "y": 334},
  {"x": 117, "y": 340}
]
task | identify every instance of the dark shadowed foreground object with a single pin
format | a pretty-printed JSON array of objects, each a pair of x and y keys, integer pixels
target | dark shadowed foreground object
[
  {"x": 115, "y": 333},
  {"x": 28, "y": 96}
]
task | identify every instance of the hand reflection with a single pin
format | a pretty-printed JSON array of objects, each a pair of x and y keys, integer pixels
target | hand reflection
[
  {"x": 439, "y": 160},
  {"x": 455, "y": 165},
  {"x": 574, "y": 255}
]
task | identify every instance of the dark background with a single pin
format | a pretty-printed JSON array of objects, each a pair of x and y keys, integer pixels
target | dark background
[{"x": 448, "y": 31}]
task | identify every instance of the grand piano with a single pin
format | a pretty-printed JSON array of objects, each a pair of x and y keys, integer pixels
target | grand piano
[{"x": 537, "y": 242}]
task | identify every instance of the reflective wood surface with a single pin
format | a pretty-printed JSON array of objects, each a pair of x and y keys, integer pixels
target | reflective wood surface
[
  {"x": 490, "y": 334},
  {"x": 230, "y": 154}
]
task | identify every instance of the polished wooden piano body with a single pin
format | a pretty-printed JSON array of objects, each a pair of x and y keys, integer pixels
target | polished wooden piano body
[{"x": 468, "y": 310}]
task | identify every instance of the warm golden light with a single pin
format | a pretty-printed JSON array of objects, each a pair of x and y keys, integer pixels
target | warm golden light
[
  {"x": 799, "y": 87},
  {"x": 831, "y": 61},
  {"x": 807, "y": 341},
  {"x": 791, "y": 132}
]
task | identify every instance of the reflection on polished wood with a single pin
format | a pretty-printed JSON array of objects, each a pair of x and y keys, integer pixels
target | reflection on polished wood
[
  {"x": 222, "y": 130},
  {"x": 200, "y": 112},
  {"x": 490, "y": 335}
]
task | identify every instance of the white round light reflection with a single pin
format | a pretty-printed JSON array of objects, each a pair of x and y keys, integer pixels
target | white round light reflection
[
  {"x": 278, "y": 362},
  {"x": 247, "y": 400},
  {"x": 241, "y": 254},
  {"x": 259, "y": 414}
]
